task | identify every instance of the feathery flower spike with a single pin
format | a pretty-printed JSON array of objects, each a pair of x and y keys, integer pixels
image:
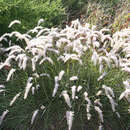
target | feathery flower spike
[{"x": 14, "y": 22}]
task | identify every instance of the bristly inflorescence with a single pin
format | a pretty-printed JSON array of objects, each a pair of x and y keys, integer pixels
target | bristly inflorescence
[{"x": 48, "y": 47}]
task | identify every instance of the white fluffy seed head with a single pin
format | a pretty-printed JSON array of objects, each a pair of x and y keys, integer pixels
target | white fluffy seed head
[
  {"x": 99, "y": 93},
  {"x": 113, "y": 104},
  {"x": 100, "y": 127},
  {"x": 89, "y": 116},
  {"x": 108, "y": 90},
  {"x": 3, "y": 116},
  {"x": 61, "y": 74},
  {"x": 34, "y": 116},
  {"x": 14, "y": 99},
  {"x": 28, "y": 87},
  {"x": 10, "y": 74},
  {"x": 97, "y": 102},
  {"x": 85, "y": 94},
  {"x": 99, "y": 111},
  {"x": 69, "y": 117},
  {"x": 73, "y": 78},
  {"x": 126, "y": 84},
  {"x": 14, "y": 22},
  {"x": 42, "y": 107},
  {"x": 66, "y": 97},
  {"x": 73, "y": 89},
  {"x": 94, "y": 58},
  {"x": 55, "y": 89},
  {"x": 33, "y": 90},
  {"x": 2, "y": 86},
  {"x": 101, "y": 76},
  {"x": 2, "y": 90},
  {"x": 79, "y": 88},
  {"x": 40, "y": 21}
]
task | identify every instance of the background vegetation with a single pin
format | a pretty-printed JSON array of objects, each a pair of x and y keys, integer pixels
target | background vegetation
[
  {"x": 113, "y": 14},
  {"x": 29, "y": 12}
]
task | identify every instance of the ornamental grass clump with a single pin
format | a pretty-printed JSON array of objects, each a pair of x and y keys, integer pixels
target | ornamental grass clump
[{"x": 78, "y": 74}]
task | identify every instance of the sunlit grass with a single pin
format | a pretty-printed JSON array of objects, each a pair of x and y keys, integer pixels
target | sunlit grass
[{"x": 77, "y": 73}]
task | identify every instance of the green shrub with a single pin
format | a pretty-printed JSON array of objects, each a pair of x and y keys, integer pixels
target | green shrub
[{"x": 29, "y": 12}]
